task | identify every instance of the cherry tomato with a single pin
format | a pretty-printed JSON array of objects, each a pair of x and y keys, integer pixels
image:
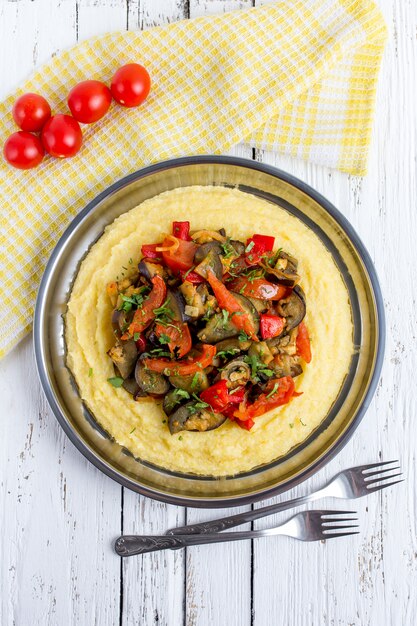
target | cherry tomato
[
  {"x": 89, "y": 101},
  {"x": 23, "y": 150},
  {"x": 31, "y": 111},
  {"x": 130, "y": 85},
  {"x": 62, "y": 136}
]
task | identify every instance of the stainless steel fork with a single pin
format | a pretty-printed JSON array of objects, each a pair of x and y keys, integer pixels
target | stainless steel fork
[
  {"x": 349, "y": 484},
  {"x": 306, "y": 526}
]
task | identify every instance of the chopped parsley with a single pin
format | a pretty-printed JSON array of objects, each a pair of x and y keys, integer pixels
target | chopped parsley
[
  {"x": 180, "y": 438},
  {"x": 225, "y": 317},
  {"x": 258, "y": 368},
  {"x": 164, "y": 339},
  {"x": 133, "y": 301},
  {"x": 228, "y": 352},
  {"x": 228, "y": 249},
  {"x": 90, "y": 372},
  {"x": 181, "y": 393},
  {"x": 292, "y": 425},
  {"x": 164, "y": 314},
  {"x": 136, "y": 336},
  {"x": 116, "y": 381},
  {"x": 132, "y": 431},
  {"x": 194, "y": 381},
  {"x": 242, "y": 336}
]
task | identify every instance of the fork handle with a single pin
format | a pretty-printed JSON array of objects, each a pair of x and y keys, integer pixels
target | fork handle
[
  {"x": 224, "y": 523},
  {"x": 129, "y": 545}
]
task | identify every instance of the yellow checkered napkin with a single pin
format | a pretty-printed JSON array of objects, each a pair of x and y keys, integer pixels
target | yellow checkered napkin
[{"x": 297, "y": 76}]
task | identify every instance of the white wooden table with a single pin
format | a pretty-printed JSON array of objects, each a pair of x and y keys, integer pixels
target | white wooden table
[{"x": 59, "y": 515}]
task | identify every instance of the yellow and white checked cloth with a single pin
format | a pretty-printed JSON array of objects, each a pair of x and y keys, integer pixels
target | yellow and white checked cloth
[{"x": 296, "y": 76}]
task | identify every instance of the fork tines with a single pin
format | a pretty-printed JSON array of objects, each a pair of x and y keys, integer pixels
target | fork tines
[{"x": 377, "y": 479}]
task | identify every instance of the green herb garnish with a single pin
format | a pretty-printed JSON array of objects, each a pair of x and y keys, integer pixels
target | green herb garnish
[
  {"x": 225, "y": 317},
  {"x": 90, "y": 372},
  {"x": 181, "y": 393},
  {"x": 194, "y": 381},
  {"x": 116, "y": 381},
  {"x": 164, "y": 314},
  {"x": 136, "y": 336},
  {"x": 164, "y": 339},
  {"x": 271, "y": 393},
  {"x": 132, "y": 431}
]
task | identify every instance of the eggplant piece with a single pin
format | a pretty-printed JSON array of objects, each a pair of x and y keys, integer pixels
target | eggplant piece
[
  {"x": 131, "y": 386},
  {"x": 261, "y": 351},
  {"x": 260, "y": 305},
  {"x": 120, "y": 320},
  {"x": 236, "y": 372},
  {"x": 233, "y": 344},
  {"x": 176, "y": 303},
  {"x": 285, "y": 269},
  {"x": 203, "y": 250},
  {"x": 239, "y": 246},
  {"x": 149, "y": 269},
  {"x": 188, "y": 417},
  {"x": 152, "y": 383},
  {"x": 124, "y": 355},
  {"x": 285, "y": 365},
  {"x": 293, "y": 308},
  {"x": 210, "y": 262},
  {"x": 217, "y": 329},
  {"x": 171, "y": 402},
  {"x": 284, "y": 344},
  {"x": 192, "y": 384}
]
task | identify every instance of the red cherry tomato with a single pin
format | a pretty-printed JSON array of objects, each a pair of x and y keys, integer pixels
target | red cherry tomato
[
  {"x": 31, "y": 111},
  {"x": 62, "y": 136},
  {"x": 130, "y": 85},
  {"x": 89, "y": 101},
  {"x": 23, "y": 150}
]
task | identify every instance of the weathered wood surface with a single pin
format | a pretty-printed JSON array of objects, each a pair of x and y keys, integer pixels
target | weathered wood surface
[{"x": 58, "y": 514}]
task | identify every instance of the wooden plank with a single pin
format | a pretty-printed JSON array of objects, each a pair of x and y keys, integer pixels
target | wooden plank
[
  {"x": 153, "y": 585},
  {"x": 369, "y": 579},
  {"x": 218, "y": 577},
  {"x": 58, "y": 513}
]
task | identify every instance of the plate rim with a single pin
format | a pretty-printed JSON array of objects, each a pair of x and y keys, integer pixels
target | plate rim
[{"x": 217, "y": 501}]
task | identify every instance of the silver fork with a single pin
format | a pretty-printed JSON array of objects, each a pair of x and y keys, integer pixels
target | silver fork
[
  {"x": 305, "y": 526},
  {"x": 349, "y": 484}
]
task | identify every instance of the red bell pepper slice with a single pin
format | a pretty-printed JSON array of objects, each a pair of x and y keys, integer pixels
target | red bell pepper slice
[
  {"x": 237, "y": 396},
  {"x": 271, "y": 325},
  {"x": 256, "y": 246},
  {"x": 303, "y": 343},
  {"x": 183, "y": 368},
  {"x": 278, "y": 392},
  {"x": 227, "y": 301},
  {"x": 179, "y": 334},
  {"x": 257, "y": 288},
  {"x": 181, "y": 230},
  {"x": 140, "y": 342},
  {"x": 192, "y": 277},
  {"x": 180, "y": 259},
  {"x": 149, "y": 251},
  {"x": 145, "y": 315},
  {"x": 217, "y": 396}
]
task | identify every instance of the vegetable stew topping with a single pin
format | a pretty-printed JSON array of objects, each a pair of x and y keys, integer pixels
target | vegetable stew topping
[{"x": 212, "y": 325}]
